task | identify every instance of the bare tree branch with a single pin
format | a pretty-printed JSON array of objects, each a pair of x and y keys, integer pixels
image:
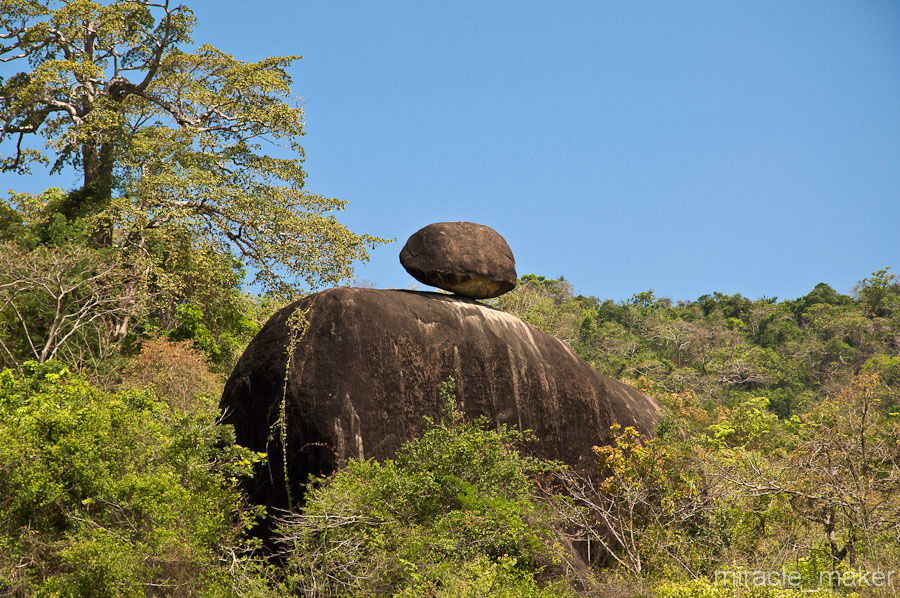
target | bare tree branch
[{"x": 62, "y": 297}]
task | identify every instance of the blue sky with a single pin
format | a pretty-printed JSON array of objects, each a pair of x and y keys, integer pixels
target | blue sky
[{"x": 749, "y": 147}]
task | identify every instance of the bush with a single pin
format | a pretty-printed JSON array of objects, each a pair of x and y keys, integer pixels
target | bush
[
  {"x": 453, "y": 514},
  {"x": 175, "y": 372},
  {"x": 700, "y": 588},
  {"x": 106, "y": 494}
]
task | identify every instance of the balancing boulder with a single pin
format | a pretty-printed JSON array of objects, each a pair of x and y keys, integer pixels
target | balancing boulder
[
  {"x": 465, "y": 258},
  {"x": 369, "y": 366}
]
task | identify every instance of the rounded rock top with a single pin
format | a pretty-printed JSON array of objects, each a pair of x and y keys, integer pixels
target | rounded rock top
[{"x": 465, "y": 258}]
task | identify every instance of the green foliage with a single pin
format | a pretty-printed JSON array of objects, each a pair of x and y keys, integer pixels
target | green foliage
[
  {"x": 113, "y": 494},
  {"x": 500, "y": 578},
  {"x": 748, "y": 424},
  {"x": 772, "y": 445},
  {"x": 109, "y": 298},
  {"x": 780, "y": 441},
  {"x": 772, "y": 450},
  {"x": 726, "y": 348},
  {"x": 66, "y": 301},
  {"x": 880, "y": 293},
  {"x": 544, "y": 302},
  {"x": 645, "y": 509},
  {"x": 453, "y": 514},
  {"x": 822, "y": 294},
  {"x": 191, "y": 165},
  {"x": 700, "y": 588},
  {"x": 183, "y": 185},
  {"x": 886, "y": 366},
  {"x": 819, "y": 490}
]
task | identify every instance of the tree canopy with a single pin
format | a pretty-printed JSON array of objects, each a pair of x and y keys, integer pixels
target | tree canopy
[{"x": 167, "y": 137}]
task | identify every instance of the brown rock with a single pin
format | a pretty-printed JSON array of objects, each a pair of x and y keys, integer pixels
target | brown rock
[
  {"x": 370, "y": 365},
  {"x": 465, "y": 258}
]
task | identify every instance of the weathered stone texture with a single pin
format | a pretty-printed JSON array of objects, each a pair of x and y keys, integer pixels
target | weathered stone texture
[
  {"x": 370, "y": 366},
  {"x": 465, "y": 258}
]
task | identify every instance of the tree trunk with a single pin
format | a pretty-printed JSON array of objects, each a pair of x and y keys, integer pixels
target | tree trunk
[
  {"x": 90, "y": 162},
  {"x": 98, "y": 161}
]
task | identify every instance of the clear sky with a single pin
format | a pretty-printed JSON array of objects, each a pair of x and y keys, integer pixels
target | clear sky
[{"x": 749, "y": 147}]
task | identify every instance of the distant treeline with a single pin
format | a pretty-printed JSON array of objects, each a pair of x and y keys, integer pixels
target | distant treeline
[{"x": 727, "y": 347}]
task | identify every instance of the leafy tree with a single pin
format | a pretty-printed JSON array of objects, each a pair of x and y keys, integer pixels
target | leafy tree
[
  {"x": 167, "y": 138},
  {"x": 725, "y": 347},
  {"x": 887, "y": 368},
  {"x": 880, "y": 293},
  {"x": 548, "y": 303},
  {"x": 779, "y": 444},
  {"x": 643, "y": 509},
  {"x": 839, "y": 468},
  {"x": 821, "y": 294},
  {"x": 61, "y": 297}
]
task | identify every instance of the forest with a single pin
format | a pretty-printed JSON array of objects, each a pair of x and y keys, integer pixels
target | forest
[{"x": 125, "y": 303}]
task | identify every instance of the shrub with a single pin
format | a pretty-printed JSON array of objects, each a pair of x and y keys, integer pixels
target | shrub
[
  {"x": 453, "y": 514},
  {"x": 701, "y": 588},
  {"x": 176, "y": 372},
  {"x": 106, "y": 494}
]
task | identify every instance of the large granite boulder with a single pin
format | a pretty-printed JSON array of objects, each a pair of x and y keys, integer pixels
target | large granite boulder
[
  {"x": 465, "y": 258},
  {"x": 370, "y": 365}
]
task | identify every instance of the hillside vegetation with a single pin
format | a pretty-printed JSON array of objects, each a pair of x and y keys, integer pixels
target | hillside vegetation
[
  {"x": 780, "y": 445},
  {"x": 728, "y": 347},
  {"x": 779, "y": 451},
  {"x": 123, "y": 306}
]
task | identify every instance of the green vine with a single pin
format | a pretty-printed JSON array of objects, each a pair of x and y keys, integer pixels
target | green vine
[{"x": 297, "y": 323}]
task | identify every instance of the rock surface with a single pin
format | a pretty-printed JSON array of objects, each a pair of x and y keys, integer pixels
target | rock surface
[
  {"x": 465, "y": 258},
  {"x": 370, "y": 365}
]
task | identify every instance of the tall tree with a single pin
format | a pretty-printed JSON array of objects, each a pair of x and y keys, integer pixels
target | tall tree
[{"x": 166, "y": 137}]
